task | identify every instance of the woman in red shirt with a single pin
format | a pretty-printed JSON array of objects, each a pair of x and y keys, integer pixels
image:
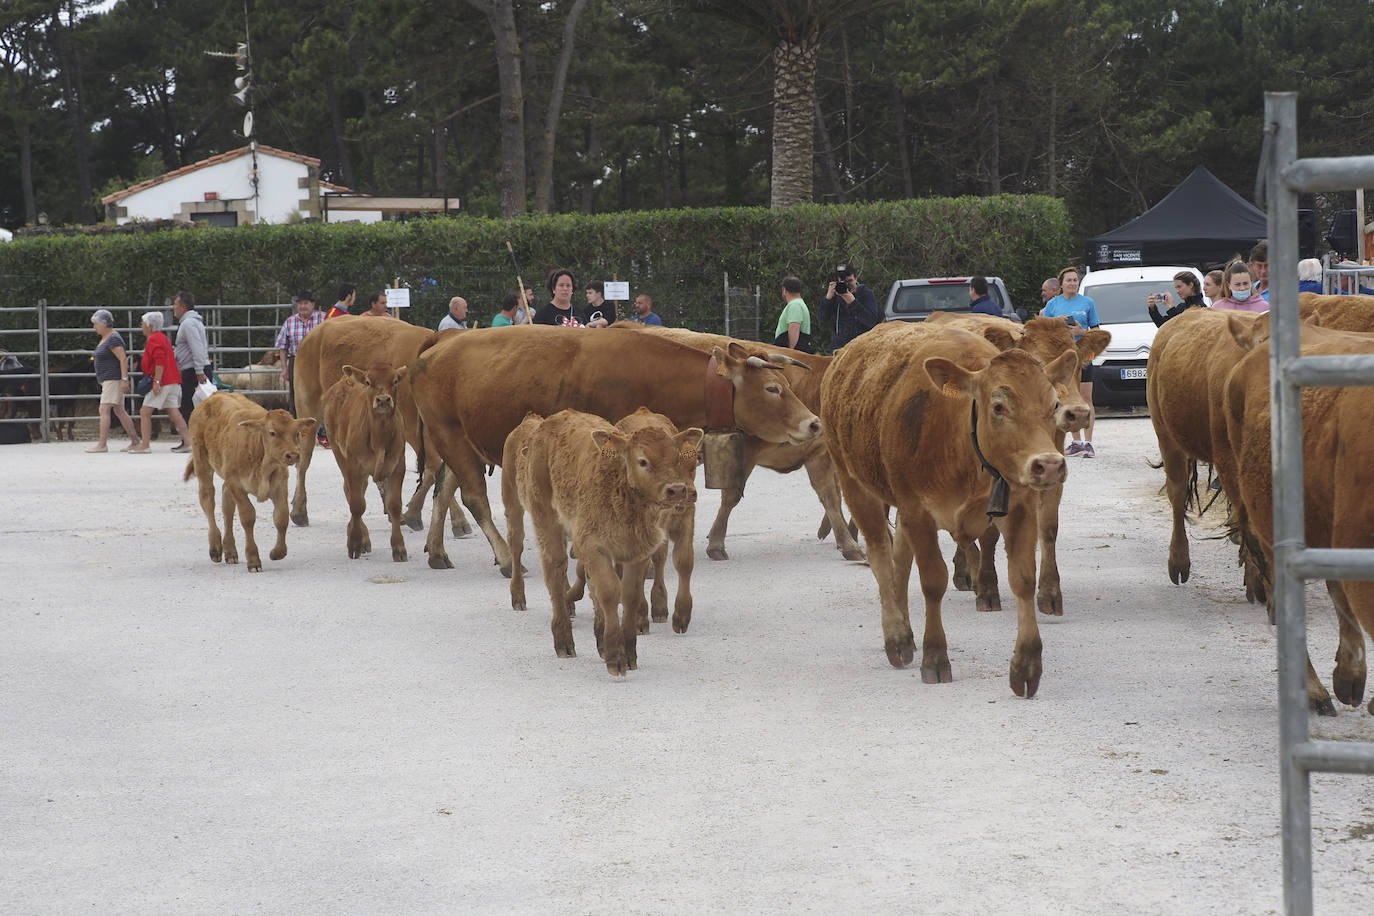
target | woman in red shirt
[{"x": 160, "y": 364}]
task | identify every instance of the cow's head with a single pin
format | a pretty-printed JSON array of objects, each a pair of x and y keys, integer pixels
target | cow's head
[
  {"x": 281, "y": 436},
  {"x": 1049, "y": 338},
  {"x": 660, "y": 466},
  {"x": 765, "y": 405},
  {"x": 1017, "y": 404},
  {"x": 382, "y": 380}
]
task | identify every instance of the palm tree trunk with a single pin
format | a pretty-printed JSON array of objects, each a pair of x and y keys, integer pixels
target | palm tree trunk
[{"x": 794, "y": 114}]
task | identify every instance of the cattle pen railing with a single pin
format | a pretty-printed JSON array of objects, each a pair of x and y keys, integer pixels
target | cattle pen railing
[
  {"x": 1283, "y": 176},
  {"x": 50, "y": 340}
]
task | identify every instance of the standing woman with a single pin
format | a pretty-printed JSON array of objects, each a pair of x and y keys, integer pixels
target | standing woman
[
  {"x": 1214, "y": 285},
  {"x": 1189, "y": 294},
  {"x": 112, "y": 372},
  {"x": 1240, "y": 290},
  {"x": 160, "y": 364},
  {"x": 1081, "y": 314}
]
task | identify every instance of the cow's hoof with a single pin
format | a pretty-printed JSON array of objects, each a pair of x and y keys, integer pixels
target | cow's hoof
[
  {"x": 681, "y": 622},
  {"x": 1179, "y": 572},
  {"x": 517, "y": 604},
  {"x": 231, "y": 559},
  {"x": 461, "y": 531},
  {"x": 566, "y": 651},
  {"x": 440, "y": 561},
  {"x": 216, "y": 556},
  {"x": 1323, "y": 706},
  {"x": 642, "y": 628},
  {"x": 302, "y": 520},
  {"x": 616, "y": 665},
  {"x": 935, "y": 668},
  {"x": 354, "y": 553},
  {"x": 398, "y": 555},
  {"x": 659, "y": 614},
  {"x": 962, "y": 581},
  {"x": 901, "y": 651},
  {"x": 854, "y": 553},
  {"x": 1050, "y": 605},
  {"x": 412, "y": 522},
  {"x": 1025, "y": 674},
  {"x": 717, "y": 553},
  {"x": 506, "y": 569},
  {"x": 988, "y": 604},
  {"x": 1349, "y": 688},
  {"x": 254, "y": 566},
  {"x": 278, "y": 553},
  {"x": 1024, "y": 687}
]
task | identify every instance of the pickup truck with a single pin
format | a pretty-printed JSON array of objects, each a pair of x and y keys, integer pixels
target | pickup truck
[{"x": 914, "y": 300}]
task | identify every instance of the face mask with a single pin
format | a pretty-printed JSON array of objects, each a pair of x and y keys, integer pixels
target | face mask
[{"x": 1240, "y": 295}]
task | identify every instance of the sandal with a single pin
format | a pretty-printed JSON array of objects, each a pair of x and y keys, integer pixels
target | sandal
[
  {"x": 182, "y": 449},
  {"x": 96, "y": 450}
]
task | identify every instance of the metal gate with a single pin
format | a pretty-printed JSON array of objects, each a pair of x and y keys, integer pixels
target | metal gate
[
  {"x": 47, "y": 339},
  {"x": 1283, "y": 176}
]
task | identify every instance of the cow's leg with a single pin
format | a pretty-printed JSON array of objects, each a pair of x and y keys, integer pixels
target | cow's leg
[
  {"x": 355, "y": 493},
  {"x": 553, "y": 552},
  {"x": 228, "y": 503},
  {"x": 871, "y": 515},
  {"x": 632, "y": 594},
  {"x": 1021, "y": 532},
  {"x": 821, "y": 471},
  {"x": 458, "y": 521},
  {"x": 446, "y": 484},
  {"x": 715, "y": 538},
  {"x": 617, "y": 639},
  {"x": 1349, "y": 676},
  {"x": 1048, "y": 597},
  {"x": 248, "y": 517},
  {"x": 1177, "y": 467},
  {"x": 300, "y": 514},
  {"x": 281, "y": 518},
  {"x": 658, "y": 591},
  {"x": 392, "y": 494},
  {"x": 417, "y": 500},
  {"x": 986, "y": 595},
  {"x": 684, "y": 562},
  {"x": 515, "y": 533},
  {"x": 205, "y": 478},
  {"x": 920, "y": 536},
  {"x": 962, "y": 578},
  {"x": 472, "y": 483}
]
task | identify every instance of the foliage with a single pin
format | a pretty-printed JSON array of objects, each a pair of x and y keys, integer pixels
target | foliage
[{"x": 678, "y": 256}]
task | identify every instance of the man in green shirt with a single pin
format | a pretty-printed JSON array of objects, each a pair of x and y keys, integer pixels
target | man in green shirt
[
  {"x": 506, "y": 317},
  {"x": 794, "y": 324}
]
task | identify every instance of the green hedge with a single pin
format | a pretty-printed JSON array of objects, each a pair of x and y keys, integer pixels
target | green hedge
[{"x": 678, "y": 256}]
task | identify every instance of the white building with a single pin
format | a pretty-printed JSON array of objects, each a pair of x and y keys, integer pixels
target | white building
[{"x": 252, "y": 184}]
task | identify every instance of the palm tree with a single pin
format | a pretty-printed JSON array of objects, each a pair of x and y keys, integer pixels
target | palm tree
[{"x": 795, "y": 27}]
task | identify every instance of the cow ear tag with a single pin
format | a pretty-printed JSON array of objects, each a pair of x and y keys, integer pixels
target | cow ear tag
[{"x": 950, "y": 390}]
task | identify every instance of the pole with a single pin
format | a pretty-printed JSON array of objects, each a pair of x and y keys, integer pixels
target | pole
[
  {"x": 726, "y": 282},
  {"x": 520, "y": 285},
  {"x": 43, "y": 365}
]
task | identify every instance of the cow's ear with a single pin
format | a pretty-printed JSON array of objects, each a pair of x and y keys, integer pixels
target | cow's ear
[
  {"x": 401, "y": 373},
  {"x": 251, "y": 424},
  {"x": 723, "y": 361},
  {"x": 1092, "y": 343},
  {"x": 951, "y": 379},
  {"x": 1247, "y": 333},
  {"x": 350, "y": 372},
  {"x": 691, "y": 438},
  {"x": 308, "y": 425},
  {"x": 1064, "y": 369},
  {"x": 1000, "y": 338},
  {"x": 609, "y": 442},
  {"x": 737, "y": 351}
]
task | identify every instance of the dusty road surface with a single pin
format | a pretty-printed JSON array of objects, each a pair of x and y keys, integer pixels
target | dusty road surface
[{"x": 336, "y": 736}]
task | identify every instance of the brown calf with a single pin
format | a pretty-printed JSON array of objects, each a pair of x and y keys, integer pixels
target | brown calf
[
  {"x": 251, "y": 449},
  {"x": 368, "y": 440}
]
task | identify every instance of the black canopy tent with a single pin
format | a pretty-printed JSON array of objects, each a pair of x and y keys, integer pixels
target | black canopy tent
[{"x": 1201, "y": 222}]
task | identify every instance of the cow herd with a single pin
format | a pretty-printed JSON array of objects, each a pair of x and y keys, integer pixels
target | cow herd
[{"x": 955, "y": 424}]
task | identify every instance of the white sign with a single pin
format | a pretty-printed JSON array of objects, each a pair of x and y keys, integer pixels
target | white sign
[
  {"x": 618, "y": 290},
  {"x": 398, "y": 298}
]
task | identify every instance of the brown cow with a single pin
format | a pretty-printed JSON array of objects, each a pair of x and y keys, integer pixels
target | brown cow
[
  {"x": 1348, "y": 312},
  {"x": 472, "y": 389},
  {"x": 1337, "y": 473},
  {"x": 613, "y": 494},
  {"x": 251, "y": 449},
  {"x": 260, "y": 382},
  {"x": 368, "y": 441},
  {"x": 804, "y": 373},
  {"x": 1046, "y": 339},
  {"x": 896, "y": 406},
  {"x": 360, "y": 341}
]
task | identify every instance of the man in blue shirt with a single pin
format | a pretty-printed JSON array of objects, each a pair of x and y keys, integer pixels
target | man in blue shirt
[
  {"x": 644, "y": 311},
  {"x": 849, "y": 307},
  {"x": 978, "y": 294}
]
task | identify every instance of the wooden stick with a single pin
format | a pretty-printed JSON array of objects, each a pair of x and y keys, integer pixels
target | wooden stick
[{"x": 520, "y": 286}]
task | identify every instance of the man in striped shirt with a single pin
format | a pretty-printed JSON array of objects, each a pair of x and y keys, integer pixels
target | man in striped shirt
[{"x": 289, "y": 339}]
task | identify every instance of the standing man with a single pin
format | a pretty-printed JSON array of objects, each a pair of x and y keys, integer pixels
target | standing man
[
  {"x": 457, "y": 316},
  {"x": 849, "y": 307},
  {"x": 1048, "y": 290},
  {"x": 644, "y": 311},
  {"x": 289, "y": 339},
  {"x": 794, "y": 324},
  {"x": 344, "y": 303},
  {"x": 597, "y": 309},
  {"x": 978, "y": 295},
  {"x": 376, "y": 306},
  {"x": 1259, "y": 268},
  {"x": 192, "y": 354},
  {"x": 506, "y": 317}
]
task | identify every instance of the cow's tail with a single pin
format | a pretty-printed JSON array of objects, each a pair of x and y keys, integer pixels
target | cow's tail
[
  {"x": 190, "y": 469},
  {"x": 420, "y": 447}
]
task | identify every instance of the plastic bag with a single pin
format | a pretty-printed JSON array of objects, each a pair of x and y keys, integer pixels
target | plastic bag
[{"x": 203, "y": 391}]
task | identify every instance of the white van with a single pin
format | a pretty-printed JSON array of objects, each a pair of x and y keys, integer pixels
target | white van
[{"x": 1120, "y": 295}]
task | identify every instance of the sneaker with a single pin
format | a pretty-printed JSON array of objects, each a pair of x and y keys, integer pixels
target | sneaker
[
  {"x": 1074, "y": 448},
  {"x": 322, "y": 440},
  {"x": 1088, "y": 450}
]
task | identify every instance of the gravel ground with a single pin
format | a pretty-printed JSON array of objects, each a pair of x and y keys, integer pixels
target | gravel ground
[{"x": 371, "y": 737}]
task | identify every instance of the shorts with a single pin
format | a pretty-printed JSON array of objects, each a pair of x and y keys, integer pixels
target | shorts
[
  {"x": 112, "y": 392},
  {"x": 169, "y": 396}
]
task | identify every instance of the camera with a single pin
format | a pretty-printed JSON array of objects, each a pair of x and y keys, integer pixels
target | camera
[{"x": 842, "y": 283}]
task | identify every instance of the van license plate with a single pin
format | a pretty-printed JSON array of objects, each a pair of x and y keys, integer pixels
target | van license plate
[{"x": 1133, "y": 372}]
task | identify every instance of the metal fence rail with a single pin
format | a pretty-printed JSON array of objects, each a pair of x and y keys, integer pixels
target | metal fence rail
[{"x": 1300, "y": 755}]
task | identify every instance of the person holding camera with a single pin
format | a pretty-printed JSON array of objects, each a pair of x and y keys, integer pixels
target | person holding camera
[
  {"x": 849, "y": 307},
  {"x": 1189, "y": 294}
]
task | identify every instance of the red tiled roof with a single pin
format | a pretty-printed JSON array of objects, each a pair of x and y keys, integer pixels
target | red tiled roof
[{"x": 204, "y": 163}]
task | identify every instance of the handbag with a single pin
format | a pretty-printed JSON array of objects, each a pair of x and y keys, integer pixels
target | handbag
[
  {"x": 145, "y": 385},
  {"x": 203, "y": 391}
]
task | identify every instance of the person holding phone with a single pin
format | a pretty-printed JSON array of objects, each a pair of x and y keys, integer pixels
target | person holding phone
[
  {"x": 1189, "y": 292},
  {"x": 1080, "y": 314}
]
